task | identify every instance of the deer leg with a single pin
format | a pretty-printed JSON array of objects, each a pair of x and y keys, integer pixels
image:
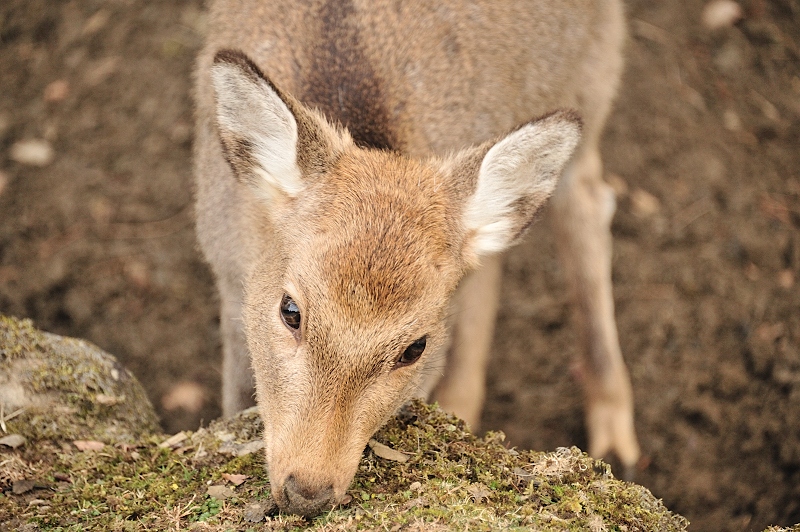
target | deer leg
[
  {"x": 583, "y": 207},
  {"x": 462, "y": 389}
]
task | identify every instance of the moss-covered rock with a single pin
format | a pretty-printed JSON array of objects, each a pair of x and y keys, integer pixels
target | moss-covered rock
[
  {"x": 53, "y": 387},
  {"x": 214, "y": 479}
]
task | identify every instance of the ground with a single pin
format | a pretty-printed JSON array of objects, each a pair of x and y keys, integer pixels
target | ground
[{"x": 702, "y": 148}]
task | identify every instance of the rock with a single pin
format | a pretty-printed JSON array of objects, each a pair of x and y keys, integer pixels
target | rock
[{"x": 56, "y": 381}]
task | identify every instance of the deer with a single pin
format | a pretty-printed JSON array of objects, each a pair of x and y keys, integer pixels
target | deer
[{"x": 361, "y": 168}]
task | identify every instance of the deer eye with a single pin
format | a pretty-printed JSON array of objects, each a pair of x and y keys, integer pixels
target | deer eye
[
  {"x": 290, "y": 313},
  {"x": 412, "y": 353}
]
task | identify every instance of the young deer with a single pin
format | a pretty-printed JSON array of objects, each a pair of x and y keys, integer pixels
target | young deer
[{"x": 361, "y": 166}]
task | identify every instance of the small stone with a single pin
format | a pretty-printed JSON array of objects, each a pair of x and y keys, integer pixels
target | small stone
[
  {"x": 225, "y": 436},
  {"x": 32, "y": 152},
  {"x": 101, "y": 210},
  {"x": 256, "y": 512},
  {"x": 22, "y": 486},
  {"x": 3, "y": 181},
  {"x": 785, "y": 280},
  {"x": 752, "y": 272},
  {"x": 13, "y": 440},
  {"x": 220, "y": 492},
  {"x": 644, "y": 204},
  {"x": 56, "y": 91},
  {"x": 249, "y": 447},
  {"x": 731, "y": 120},
  {"x": 719, "y": 14}
]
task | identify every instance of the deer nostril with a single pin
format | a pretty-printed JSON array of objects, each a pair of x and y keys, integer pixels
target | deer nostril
[{"x": 307, "y": 499}]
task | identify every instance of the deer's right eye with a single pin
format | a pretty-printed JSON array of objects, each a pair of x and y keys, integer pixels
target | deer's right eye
[{"x": 290, "y": 313}]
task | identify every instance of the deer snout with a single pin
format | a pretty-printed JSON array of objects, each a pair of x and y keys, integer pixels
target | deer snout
[{"x": 305, "y": 498}]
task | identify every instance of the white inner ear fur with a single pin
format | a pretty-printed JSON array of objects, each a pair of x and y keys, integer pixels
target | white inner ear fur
[
  {"x": 249, "y": 109},
  {"x": 522, "y": 167}
]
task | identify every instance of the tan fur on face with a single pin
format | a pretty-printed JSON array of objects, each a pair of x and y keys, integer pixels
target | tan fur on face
[{"x": 372, "y": 264}]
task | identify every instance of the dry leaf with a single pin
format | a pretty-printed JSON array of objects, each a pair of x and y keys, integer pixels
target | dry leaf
[
  {"x": 387, "y": 452},
  {"x": 478, "y": 492},
  {"x": 173, "y": 441},
  {"x": 12, "y": 440},
  {"x": 236, "y": 480},
  {"x": 220, "y": 492},
  {"x": 107, "y": 400},
  {"x": 89, "y": 445}
]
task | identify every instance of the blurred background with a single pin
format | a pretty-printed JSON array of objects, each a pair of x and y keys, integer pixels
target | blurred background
[{"x": 703, "y": 149}]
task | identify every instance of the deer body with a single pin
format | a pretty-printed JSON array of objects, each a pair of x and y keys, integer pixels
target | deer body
[{"x": 361, "y": 166}]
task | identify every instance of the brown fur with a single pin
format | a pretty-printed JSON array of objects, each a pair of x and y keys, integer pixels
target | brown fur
[{"x": 372, "y": 159}]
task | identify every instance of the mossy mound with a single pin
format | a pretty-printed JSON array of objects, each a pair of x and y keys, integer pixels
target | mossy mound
[
  {"x": 214, "y": 479},
  {"x": 59, "y": 388}
]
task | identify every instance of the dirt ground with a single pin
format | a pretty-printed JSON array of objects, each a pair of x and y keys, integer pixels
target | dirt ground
[{"x": 703, "y": 149}]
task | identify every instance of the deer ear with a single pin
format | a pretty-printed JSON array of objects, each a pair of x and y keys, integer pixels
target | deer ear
[
  {"x": 515, "y": 177},
  {"x": 271, "y": 141}
]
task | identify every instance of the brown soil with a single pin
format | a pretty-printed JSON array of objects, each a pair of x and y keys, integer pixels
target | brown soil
[{"x": 704, "y": 149}]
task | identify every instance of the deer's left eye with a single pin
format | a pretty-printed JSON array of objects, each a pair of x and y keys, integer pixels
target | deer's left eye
[{"x": 412, "y": 353}]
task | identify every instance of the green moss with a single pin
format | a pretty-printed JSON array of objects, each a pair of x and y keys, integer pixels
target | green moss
[{"x": 453, "y": 479}]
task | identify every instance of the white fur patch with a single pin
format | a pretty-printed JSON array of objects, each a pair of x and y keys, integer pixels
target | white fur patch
[{"x": 523, "y": 167}]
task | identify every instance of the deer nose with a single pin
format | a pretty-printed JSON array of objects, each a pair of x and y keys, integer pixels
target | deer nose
[{"x": 306, "y": 499}]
